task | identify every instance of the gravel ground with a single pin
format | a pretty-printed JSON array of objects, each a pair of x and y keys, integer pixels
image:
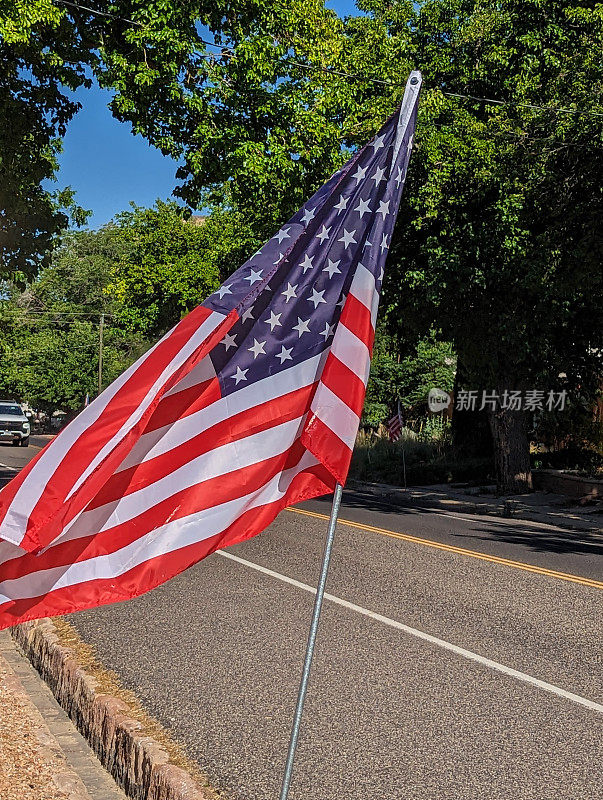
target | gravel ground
[{"x": 32, "y": 766}]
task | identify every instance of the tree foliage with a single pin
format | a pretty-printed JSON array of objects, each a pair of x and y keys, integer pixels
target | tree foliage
[
  {"x": 42, "y": 60},
  {"x": 405, "y": 381},
  {"x": 142, "y": 271},
  {"x": 498, "y": 241},
  {"x": 244, "y": 125},
  {"x": 167, "y": 265}
]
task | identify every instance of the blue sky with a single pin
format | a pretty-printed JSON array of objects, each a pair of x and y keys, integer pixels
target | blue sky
[{"x": 108, "y": 167}]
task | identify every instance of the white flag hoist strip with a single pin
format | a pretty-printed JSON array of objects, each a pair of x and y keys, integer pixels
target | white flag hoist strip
[{"x": 250, "y": 403}]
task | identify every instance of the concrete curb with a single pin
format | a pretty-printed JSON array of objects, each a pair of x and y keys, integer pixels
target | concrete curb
[{"x": 138, "y": 764}]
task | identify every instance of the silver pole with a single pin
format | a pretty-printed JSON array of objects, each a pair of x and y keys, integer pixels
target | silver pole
[{"x": 303, "y": 686}]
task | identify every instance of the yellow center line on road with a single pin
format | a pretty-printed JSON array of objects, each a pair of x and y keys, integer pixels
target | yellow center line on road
[{"x": 449, "y": 548}]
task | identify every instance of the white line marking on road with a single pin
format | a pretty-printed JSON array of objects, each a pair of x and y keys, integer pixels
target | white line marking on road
[
  {"x": 7, "y": 466},
  {"x": 426, "y": 637}
]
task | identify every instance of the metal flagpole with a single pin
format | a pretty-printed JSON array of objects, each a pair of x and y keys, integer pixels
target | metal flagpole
[{"x": 320, "y": 591}]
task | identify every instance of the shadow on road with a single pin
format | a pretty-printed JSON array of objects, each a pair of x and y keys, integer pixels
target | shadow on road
[
  {"x": 541, "y": 541},
  {"x": 537, "y": 540}
]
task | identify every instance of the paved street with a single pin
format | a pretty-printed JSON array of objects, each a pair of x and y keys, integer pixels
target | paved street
[
  {"x": 13, "y": 458},
  {"x": 501, "y": 700}
]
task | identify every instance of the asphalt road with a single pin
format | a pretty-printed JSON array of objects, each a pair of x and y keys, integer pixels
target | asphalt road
[
  {"x": 13, "y": 458},
  {"x": 458, "y": 657}
]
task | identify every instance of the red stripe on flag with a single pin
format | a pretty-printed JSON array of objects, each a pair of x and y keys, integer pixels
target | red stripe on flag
[
  {"x": 328, "y": 448},
  {"x": 357, "y": 318}
]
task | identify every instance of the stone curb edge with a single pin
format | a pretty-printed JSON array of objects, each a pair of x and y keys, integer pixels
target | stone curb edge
[{"x": 138, "y": 764}]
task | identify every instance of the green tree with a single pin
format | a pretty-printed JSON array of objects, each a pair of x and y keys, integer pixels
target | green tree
[
  {"x": 42, "y": 60},
  {"x": 235, "y": 121},
  {"x": 499, "y": 241},
  {"x": 167, "y": 264},
  {"x": 49, "y": 331},
  {"x": 406, "y": 380}
]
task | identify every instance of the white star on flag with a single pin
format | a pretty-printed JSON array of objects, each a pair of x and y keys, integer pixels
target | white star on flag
[
  {"x": 289, "y": 292},
  {"x": 308, "y": 215},
  {"x": 229, "y": 340},
  {"x": 317, "y": 297},
  {"x": 254, "y": 276},
  {"x": 383, "y": 208},
  {"x": 343, "y": 201},
  {"x": 257, "y": 348},
  {"x": 240, "y": 375},
  {"x": 348, "y": 238},
  {"x": 360, "y": 173},
  {"x": 363, "y": 207},
  {"x": 377, "y": 143},
  {"x": 384, "y": 245},
  {"x": 307, "y": 263},
  {"x": 225, "y": 289},
  {"x": 274, "y": 321},
  {"x": 328, "y": 331},
  {"x": 332, "y": 267},
  {"x": 283, "y": 234},
  {"x": 324, "y": 234},
  {"x": 285, "y": 354},
  {"x": 248, "y": 314},
  {"x": 301, "y": 327},
  {"x": 378, "y": 175}
]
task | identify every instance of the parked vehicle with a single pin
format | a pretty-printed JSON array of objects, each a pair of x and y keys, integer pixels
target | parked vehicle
[{"x": 14, "y": 425}]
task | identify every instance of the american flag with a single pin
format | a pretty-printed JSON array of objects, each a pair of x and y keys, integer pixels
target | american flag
[
  {"x": 394, "y": 426},
  {"x": 251, "y": 403}
]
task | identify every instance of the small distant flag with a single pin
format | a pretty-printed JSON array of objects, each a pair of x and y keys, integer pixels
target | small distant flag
[
  {"x": 394, "y": 426},
  {"x": 250, "y": 403},
  {"x": 87, "y": 400}
]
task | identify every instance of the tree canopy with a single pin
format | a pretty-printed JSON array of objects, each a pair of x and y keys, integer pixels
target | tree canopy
[
  {"x": 142, "y": 272},
  {"x": 498, "y": 243}
]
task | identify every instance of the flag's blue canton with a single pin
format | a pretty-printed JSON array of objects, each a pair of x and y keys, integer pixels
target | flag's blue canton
[{"x": 289, "y": 295}]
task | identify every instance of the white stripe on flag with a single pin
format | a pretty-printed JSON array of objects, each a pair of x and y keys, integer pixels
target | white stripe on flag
[
  {"x": 336, "y": 415},
  {"x": 363, "y": 288},
  {"x": 352, "y": 352}
]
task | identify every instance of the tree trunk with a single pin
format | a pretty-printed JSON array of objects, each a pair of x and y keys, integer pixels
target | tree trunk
[
  {"x": 471, "y": 434},
  {"x": 511, "y": 451}
]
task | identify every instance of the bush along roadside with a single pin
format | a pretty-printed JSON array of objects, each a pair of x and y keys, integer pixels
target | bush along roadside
[{"x": 414, "y": 461}]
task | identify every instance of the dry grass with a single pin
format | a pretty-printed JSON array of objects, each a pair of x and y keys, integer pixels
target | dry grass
[{"x": 108, "y": 682}]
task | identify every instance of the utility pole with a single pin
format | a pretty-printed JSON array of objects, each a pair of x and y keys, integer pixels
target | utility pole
[{"x": 100, "y": 353}]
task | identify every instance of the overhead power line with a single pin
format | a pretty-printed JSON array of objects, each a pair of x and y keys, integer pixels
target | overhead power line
[{"x": 227, "y": 52}]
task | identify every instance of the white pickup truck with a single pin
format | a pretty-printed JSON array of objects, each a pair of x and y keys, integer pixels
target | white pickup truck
[{"x": 14, "y": 425}]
